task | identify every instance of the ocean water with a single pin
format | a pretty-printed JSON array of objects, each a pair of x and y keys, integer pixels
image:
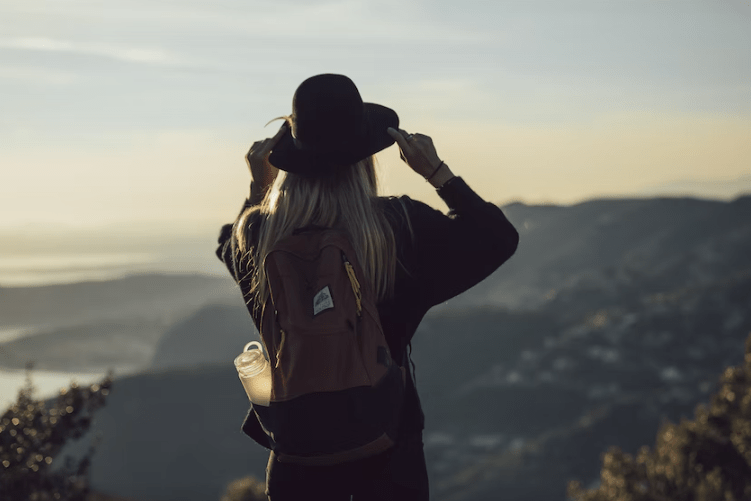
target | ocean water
[
  {"x": 46, "y": 383},
  {"x": 49, "y": 269},
  {"x": 46, "y": 269}
]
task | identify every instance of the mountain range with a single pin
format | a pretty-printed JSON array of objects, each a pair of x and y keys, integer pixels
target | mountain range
[{"x": 612, "y": 316}]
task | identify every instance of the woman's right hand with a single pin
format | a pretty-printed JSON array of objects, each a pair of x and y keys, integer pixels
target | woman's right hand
[
  {"x": 261, "y": 170},
  {"x": 418, "y": 152}
]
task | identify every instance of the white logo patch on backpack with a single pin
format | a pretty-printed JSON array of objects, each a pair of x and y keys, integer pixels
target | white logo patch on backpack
[{"x": 322, "y": 301}]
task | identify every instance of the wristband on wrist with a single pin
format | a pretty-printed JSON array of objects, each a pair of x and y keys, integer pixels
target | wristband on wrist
[
  {"x": 435, "y": 171},
  {"x": 447, "y": 183}
]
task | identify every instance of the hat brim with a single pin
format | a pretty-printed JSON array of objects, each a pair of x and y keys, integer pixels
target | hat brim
[{"x": 287, "y": 157}]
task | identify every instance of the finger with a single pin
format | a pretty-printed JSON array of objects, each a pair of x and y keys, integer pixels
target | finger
[
  {"x": 409, "y": 137},
  {"x": 398, "y": 132},
  {"x": 399, "y": 136}
]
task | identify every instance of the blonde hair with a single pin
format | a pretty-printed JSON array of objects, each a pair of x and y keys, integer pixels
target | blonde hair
[{"x": 347, "y": 200}]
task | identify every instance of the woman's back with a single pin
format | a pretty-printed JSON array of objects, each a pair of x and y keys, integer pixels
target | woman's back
[
  {"x": 346, "y": 200},
  {"x": 415, "y": 256}
]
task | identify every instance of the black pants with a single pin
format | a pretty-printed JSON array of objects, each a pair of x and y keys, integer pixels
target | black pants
[{"x": 396, "y": 475}]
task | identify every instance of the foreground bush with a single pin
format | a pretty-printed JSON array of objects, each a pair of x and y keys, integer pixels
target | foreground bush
[
  {"x": 705, "y": 459},
  {"x": 31, "y": 437},
  {"x": 246, "y": 489}
]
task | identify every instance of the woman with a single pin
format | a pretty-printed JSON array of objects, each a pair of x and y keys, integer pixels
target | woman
[{"x": 319, "y": 170}]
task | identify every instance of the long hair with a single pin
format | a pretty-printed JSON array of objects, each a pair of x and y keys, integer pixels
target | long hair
[{"x": 347, "y": 200}]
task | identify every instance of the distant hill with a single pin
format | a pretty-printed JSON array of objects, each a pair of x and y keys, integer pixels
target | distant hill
[
  {"x": 720, "y": 189},
  {"x": 121, "y": 344},
  {"x": 214, "y": 334},
  {"x": 138, "y": 295},
  {"x": 102, "y": 324},
  {"x": 550, "y": 408},
  {"x": 651, "y": 243}
]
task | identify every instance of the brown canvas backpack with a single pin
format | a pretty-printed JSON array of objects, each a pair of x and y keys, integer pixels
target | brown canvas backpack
[{"x": 336, "y": 392}]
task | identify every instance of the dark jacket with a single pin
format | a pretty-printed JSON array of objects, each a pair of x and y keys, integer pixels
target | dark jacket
[{"x": 439, "y": 256}]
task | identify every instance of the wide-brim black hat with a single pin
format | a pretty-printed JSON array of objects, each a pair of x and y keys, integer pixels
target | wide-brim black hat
[{"x": 331, "y": 128}]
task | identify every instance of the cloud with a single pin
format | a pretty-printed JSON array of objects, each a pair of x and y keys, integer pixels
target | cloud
[{"x": 128, "y": 54}]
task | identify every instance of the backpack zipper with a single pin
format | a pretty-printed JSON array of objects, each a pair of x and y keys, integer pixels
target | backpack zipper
[
  {"x": 354, "y": 283},
  {"x": 279, "y": 351}
]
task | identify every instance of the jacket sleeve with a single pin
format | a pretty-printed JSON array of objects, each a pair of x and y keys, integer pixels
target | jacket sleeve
[
  {"x": 224, "y": 250},
  {"x": 227, "y": 246},
  {"x": 454, "y": 252}
]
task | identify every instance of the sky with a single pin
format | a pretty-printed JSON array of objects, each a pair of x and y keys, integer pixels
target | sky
[{"x": 135, "y": 112}]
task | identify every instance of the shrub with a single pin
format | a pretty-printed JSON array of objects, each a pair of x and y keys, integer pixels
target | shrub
[
  {"x": 704, "y": 459},
  {"x": 246, "y": 489},
  {"x": 31, "y": 437}
]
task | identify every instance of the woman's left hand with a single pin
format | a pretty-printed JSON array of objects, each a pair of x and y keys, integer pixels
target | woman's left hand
[
  {"x": 417, "y": 151},
  {"x": 261, "y": 170}
]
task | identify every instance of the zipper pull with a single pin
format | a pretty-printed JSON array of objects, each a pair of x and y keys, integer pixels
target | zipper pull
[
  {"x": 354, "y": 283},
  {"x": 279, "y": 351}
]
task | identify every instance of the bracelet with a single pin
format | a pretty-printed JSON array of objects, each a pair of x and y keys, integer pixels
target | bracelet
[
  {"x": 435, "y": 171},
  {"x": 447, "y": 183}
]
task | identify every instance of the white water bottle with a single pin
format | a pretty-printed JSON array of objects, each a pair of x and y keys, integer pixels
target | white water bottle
[{"x": 255, "y": 373}]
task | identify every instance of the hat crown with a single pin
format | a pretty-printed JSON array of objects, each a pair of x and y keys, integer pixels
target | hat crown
[
  {"x": 327, "y": 110},
  {"x": 332, "y": 128}
]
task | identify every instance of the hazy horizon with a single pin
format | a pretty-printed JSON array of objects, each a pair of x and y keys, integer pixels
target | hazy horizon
[
  {"x": 719, "y": 190},
  {"x": 38, "y": 255}
]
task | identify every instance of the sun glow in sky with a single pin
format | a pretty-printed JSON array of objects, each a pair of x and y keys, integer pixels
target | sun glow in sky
[{"x": 142, "y": 110}]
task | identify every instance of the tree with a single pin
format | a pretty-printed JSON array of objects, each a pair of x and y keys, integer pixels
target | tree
[
  {"x": 704, "y": 459},
  {"x": 31, "y": 437}
]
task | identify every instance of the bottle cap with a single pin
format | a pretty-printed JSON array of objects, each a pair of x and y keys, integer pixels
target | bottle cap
[{"x": 251, "y": 362}]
